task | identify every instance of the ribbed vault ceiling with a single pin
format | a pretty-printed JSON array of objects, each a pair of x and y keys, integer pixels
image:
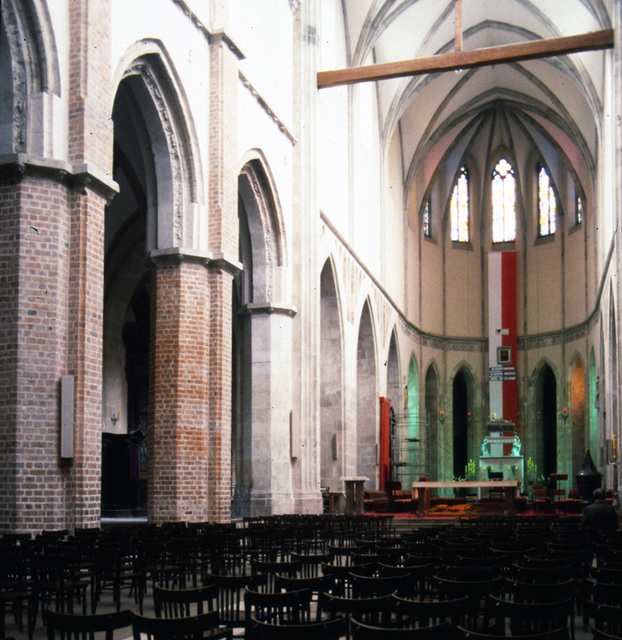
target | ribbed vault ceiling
[{"x": 561, "y": 95}]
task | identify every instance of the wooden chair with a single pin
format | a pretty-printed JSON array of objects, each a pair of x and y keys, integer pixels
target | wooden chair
[
  {"x": 286, "y": 607},
  {"x": 177, "y": 603},
  {"x": 362, "y": 631},
  {"x": 115, "y": 569},
  {"x": 16, "y": 590},
  {"x": 529, "y": 617},
  {"x": 430, "y": 612},
  {"x": 200, "y": 627},
  {"x": 369, "y": 586},
  {"x": 604, "y": 617},
  {"x": 271, "y": 568},
  {"x": 373, "y": 611},
  {"x": 598, "y": 634},
  {"x": 467, "y": 634},
  {"x": 231, "y": 591},
  {"x": 69, "y": 626},
  {"x": 332, "y": 629}
]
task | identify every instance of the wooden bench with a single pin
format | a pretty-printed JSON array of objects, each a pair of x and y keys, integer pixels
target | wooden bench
[{"x": 375, "y": 500}]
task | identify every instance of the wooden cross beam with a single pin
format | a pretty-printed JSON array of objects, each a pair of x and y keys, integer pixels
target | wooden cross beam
[{"x": 531, "y": 50}]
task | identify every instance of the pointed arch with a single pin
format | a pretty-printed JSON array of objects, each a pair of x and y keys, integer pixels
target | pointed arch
[
  {"x": 433, "y": 414},
  {"x": 546, "y": 441},
  {"x": 594, "y": 405},
  {"x": 174, "y": 217},
  {"x": 28, "y": 71},
  {"x": 366, "y": 398},
  {"x": 463, "y": 438},
  {"x": 577, "y": 411},
  {"x": 417, "y": 432},
  {"x": 259, "y": 198},
  {"x": 331, "y": 444}
]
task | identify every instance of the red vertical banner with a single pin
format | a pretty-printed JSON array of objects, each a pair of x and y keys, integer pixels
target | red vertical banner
[
  {"x": 502, "y": 335},
  {"x": 384, "y": 453}
]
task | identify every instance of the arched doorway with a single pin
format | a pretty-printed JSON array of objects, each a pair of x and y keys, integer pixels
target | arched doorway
[
  {"x": 460, "y": 424},
  {"x": 126, "y": 316},
  {"x": 331, "y": 382},
  {"x": 577, "y": 416},
  {"x": 546, "y": 407},
  {"x": 366, "y": 400},
  {"x": 432, "y": 420}
]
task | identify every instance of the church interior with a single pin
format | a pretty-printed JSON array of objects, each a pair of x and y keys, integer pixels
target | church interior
[{"x": 251, "y": 252}]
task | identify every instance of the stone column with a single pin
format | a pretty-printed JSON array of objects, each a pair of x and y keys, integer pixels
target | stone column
[
  {"x": 275, "y": 432},
  {"x": 306, "y": 274}
]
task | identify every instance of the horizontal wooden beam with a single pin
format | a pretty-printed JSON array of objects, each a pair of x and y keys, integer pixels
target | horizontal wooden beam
[{"x": 531, "y": 50}]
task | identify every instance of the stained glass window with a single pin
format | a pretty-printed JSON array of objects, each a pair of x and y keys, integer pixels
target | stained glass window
[
  {"x": 459, "y": 208},
  {"x": 547, "y": 204},
  {"x": 503, "y": 202},
  {"x": 578, "y": 209},
  {"x": 426, "y": 219}
]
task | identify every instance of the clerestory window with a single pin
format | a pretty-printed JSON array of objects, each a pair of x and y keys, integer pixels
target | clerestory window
[
  {"x": 459, "y": 208},
  {"x": 503, "y": 202}
]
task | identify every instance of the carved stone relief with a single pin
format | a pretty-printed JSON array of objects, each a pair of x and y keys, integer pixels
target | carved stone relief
[
  {"x": 20, "y": 79},
  {"x": 141, "y": 68}
]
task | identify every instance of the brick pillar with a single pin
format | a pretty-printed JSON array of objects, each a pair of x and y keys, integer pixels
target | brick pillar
[
  {"x": 84, "y": 350},
  {"x": 223, "y": 242},
  {"x": 34, "y": 238},
  {"x": 90, "y": 138},
  {"x": 177, "y": 438}
]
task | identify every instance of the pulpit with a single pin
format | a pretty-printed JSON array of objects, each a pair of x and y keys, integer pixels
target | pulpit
[{"x": 354, "y": 493}]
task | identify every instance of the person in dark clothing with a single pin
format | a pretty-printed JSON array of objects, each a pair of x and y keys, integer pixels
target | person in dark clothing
[{"x": 599, "y": 514}]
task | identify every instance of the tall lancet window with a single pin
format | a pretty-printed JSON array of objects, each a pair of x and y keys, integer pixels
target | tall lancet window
[
  {"x": 426, "y": 219},
  {"x": 547, "y": 204},
  {"x": 503, "y": 202},
  {"x": 459, "y": 208},
  {"x": 578, "y": 206}
]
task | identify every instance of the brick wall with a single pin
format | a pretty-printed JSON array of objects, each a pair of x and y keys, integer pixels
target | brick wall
[
  {"x": 34, "y": 248},
  {"x": 178, "y": 391}
]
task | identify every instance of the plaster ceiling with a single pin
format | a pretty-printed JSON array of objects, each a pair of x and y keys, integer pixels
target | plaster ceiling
[{"x": 429, "y": 111}]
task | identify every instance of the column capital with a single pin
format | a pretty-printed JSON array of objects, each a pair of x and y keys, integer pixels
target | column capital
[
  {"x": 278, "y": 308},
  {"x": 171, "y": 256},
  {"x": 227, "y": 263},
  {"x": 220, "y": 36},
  {"x": 74, "y": 176}
]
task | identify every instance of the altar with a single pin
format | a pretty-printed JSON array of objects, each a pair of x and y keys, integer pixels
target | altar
[
  {"x": 511, "y": 489},
  {"x": 501, "y": 457}
]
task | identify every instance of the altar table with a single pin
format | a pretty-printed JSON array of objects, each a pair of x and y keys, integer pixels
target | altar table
[{"x": 510, "y": 489}]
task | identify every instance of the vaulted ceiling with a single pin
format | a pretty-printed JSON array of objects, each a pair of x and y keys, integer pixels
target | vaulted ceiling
[{"x": 564, "y": 94}]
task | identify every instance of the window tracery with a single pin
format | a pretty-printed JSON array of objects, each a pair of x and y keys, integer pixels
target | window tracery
[
  {"x": 426, "y": 219},
  {"x": 547, "y": 204},
  {"x": 503, "y": 202},
  {"x": 459, "y": 208}
]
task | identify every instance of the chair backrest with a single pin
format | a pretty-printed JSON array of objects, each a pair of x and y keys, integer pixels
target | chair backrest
[
  {"x": 530, "y": 617},
  {"x": 285, "y": 607},
  {"x": 427, "y": 612},
  {"x": 177, "y": 603},
  {"x": 598, "y": 634},
  {"x": 69, "y": 626},
  {"x": 468, "y": 634},
  {"x": 186, "y": 628},
  {"x": 231, "y": 595},
  {"x": 362, "y": 631},
  {"x": 332, "y": 629}
]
